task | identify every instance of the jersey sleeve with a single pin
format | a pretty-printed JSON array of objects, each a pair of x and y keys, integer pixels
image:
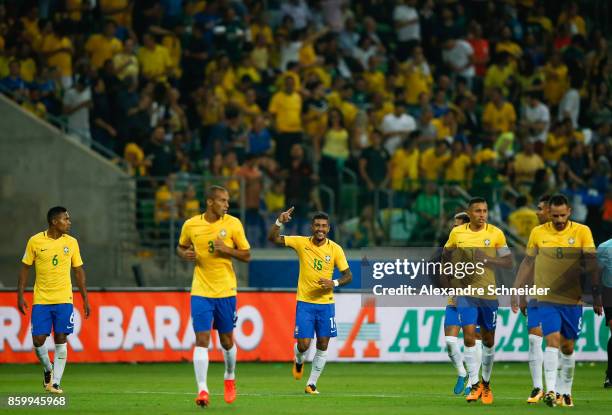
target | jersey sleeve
[
  {"x": 340, "y": 259},
  {"x": 452, "y": 242},
  {"x": 292, "y": 242},
  {"x": 76, "y": 259},
  {"x": 185, "y": 238},
  {"x": 532, "y": 247},
  {"x": 30, "y": 254},
  {"x": 588, "y": 245},
  {"x": 501, "y": 244},
  {"x": 239, "y": 236}
]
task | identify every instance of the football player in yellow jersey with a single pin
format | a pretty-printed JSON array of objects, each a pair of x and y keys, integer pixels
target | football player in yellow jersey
[
  {"x": 452, "y": 325},
  {"x": 212, "y": 239},
  {"x": 315, "y": 311},
  {"x": 558, "y": 253},
  {"x": 486, "y": 244},
  {"x": 534, "y": 327},
  {"x": 53, "y": 253}
]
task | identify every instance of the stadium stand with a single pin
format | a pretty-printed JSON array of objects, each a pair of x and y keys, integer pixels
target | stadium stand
[{"x": 387, "y": 114}]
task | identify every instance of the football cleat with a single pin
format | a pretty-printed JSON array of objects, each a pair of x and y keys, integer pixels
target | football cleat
[
  {"x": 566, "y": 400},
  {"x": 202, "y": 399},
  {"x": 55, "y": 388},
  {"x": 607, "y": 383},
  {"x": 558, "y": 399},
  {"x": 229, "y": 392},
  {"x": 298, "y": 370},
  {"x": 47, "y": 376},
  {"x": 467, "y": 390},
  {"x": 536, "y": 395},
  {"x": 550, "y": 399},
  {"x": 459, "y": 385},
  {"x": 311, "y": 390},
  {"x": 475, "y": 392},
  {"x": 487, "y": 395}
]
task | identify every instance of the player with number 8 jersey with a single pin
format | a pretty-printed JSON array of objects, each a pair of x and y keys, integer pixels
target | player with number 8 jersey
[{"x": 315, "y": 311}]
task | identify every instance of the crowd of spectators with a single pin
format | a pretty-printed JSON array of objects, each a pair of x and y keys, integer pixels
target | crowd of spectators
[{"x": 279, "y": 101}]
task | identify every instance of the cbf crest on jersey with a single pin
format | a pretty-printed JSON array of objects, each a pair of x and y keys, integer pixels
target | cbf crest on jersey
[
  {"x": 327, "y": 258},
  {"x": 66, "y": 250},
  {"x": 487, "y": 242},
  {"x": 571, "y": 241},
  {"x": 223, "y": 233}
]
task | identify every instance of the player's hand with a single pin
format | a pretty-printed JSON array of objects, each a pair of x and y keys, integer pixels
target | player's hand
[
  {"x": 220, "y": 246},
  {"x": 326, "y": 283},
  {"x": 598, "y": 309},
  {"x": 286, "y": 215},
  {"x": 514, "y": 304},
  {"x": 597, "y": 304},
  {"x": 480, "y": 256},
  {"x": 86, "y": 309},
  {"x": 22, "y": 304},
  {"x": 188, "y": 254}
]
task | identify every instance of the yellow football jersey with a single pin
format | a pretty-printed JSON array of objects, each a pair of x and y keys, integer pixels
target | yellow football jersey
[
  {"x": 213, "y": 275},
  {"x": 491, "y": 240},
  {"x": 52, "y": 259},
  {"x": 316, "y": 262},
  {"x": 523, "y": 220},
  {"x": 558, "y": 260}
]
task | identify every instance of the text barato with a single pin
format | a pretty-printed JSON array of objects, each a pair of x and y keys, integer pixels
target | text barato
[{"x": 468, "y": 291}]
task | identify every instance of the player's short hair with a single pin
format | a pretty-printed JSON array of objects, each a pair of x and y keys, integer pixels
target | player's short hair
[
  {"x": 54, "y": 212},
  {"x": 210, "y": 194},
  {"x": 475, "y": 200},
  {"x": 558, "y": 200},
  {"x": 463, "y": 217},
  {"x": 544, "y": 199},
  {"x": 320, "y": 215}
]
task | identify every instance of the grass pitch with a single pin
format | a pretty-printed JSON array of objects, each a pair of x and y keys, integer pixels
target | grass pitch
[{"x": 269, "y": 388}]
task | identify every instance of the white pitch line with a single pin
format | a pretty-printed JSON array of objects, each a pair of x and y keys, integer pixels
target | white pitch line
[{"x": 333, "y": 395}]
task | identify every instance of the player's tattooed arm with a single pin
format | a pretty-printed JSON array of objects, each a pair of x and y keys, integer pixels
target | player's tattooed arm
[
  {"x": 345, "y": 279},
  {"x": 274, "y": 233}
]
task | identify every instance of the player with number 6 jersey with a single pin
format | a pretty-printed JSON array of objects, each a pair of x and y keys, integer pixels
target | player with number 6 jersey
[
  {"x": 315, "y": 311},
  {"x": 53, "y": 253}
]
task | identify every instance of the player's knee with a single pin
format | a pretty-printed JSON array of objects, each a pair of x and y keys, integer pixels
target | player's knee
[
  {"x": 227, "y": 343},
  {"x": 322, "y": 345},
  {"x": 303, "y": 345},
  {"x": 60, "y": 338},
  {"x": 39, "y": 340},
  {"x": 202, "y": 339},
  {"x": 567, "y": 348}
]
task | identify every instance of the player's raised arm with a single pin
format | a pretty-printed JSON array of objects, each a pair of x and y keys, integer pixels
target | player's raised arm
[
  {"x": 21, "y": 284},
  {"x": 274, "y": 233},
  {"x": 79, "y": 276}
]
